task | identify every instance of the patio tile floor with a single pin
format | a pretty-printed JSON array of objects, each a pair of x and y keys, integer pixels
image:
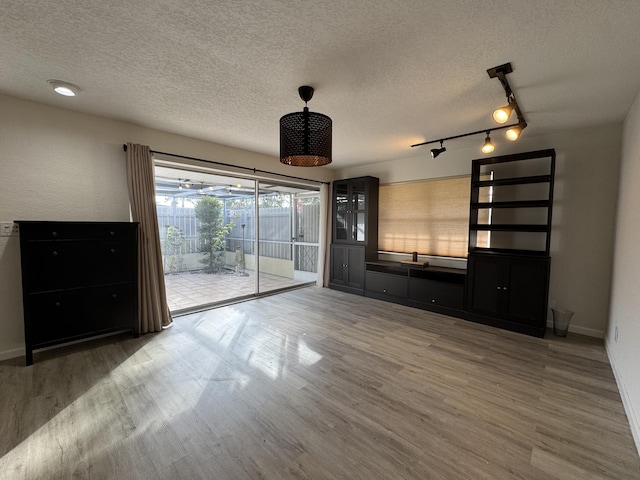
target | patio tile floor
[{"x": 190, "y": 290}]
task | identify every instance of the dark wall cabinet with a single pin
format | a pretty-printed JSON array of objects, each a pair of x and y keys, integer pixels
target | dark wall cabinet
[
  {"x": 79, "y": 279},
  {"x": 355, "y": 232}
]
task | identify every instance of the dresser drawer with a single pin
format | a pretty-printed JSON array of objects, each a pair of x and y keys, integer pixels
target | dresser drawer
[
  {"x": 76, "y": 230},
  {"x": 76, "y": 263},
  {"x": 67, "y": 314}
]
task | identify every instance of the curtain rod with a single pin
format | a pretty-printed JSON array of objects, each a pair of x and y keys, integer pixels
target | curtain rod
[{"x": 254, "y": 170}]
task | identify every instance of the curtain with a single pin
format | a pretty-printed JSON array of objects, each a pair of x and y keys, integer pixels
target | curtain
[
  {"x": 153, "y": 312},
  {"x": 325, "y": 236}
]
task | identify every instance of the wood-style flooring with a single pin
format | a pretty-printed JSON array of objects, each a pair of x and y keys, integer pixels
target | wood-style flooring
[{"x": 317, "y": 384}]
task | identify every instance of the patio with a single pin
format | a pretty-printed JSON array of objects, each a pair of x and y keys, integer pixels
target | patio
[{"x": 188, "y": 290}]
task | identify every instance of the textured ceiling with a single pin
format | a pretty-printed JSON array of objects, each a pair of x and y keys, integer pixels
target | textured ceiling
[{"x": 389, "y": 73}]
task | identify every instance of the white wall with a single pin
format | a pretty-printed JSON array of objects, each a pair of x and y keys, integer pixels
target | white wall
[
  {"x": 56, "y": 164},
  {"x": 624, "y": 350},
  {"x": 586, "y": 189}
]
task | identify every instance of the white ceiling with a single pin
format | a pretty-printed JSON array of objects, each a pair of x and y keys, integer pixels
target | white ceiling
[{"x": 389, "y": 73}]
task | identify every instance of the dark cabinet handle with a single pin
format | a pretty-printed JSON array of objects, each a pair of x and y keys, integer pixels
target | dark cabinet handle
[
  {"x": 433, "y": 300},
  {"x": 112, "y": 233},
  {"x": 54, "y": 253},
  {"x": 54, "y": 234},
  {"x": 504, "y": 288},
  {"x": 57, "y": 304},
  {"x": 113, "y": 250},
  {"x": 114, "y": 295},
  {"x": 498, "y": 288}
]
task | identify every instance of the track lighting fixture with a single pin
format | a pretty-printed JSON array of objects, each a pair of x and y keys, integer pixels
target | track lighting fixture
[
  {"x": 437, "y": 151},
  {"x": 488, "y": 145},
  {"x": 500, "y": 115}
]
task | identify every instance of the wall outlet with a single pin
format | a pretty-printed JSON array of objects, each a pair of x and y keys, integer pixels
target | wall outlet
[{"x": 8, "y": 229}]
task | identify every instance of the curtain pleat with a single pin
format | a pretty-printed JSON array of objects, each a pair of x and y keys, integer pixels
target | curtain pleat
[
  {"x": 153, "y": 312},
  {"x": 325, "y": 240}
]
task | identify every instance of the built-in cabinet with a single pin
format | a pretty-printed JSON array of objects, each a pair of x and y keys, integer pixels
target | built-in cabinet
[
  {"x": 433, "y": 288},
  {"x": 347, "y": 267},
  {"x": 79, "y": 279},
  {"x": 510, "y": 288},
  {"x": 506, "y": 283},
  {"x": 509, "y": 240},
  {"x": 355, "y": 232}
]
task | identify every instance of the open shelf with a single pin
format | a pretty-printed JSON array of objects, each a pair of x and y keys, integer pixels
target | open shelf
[{"x": 517, "y": 208}]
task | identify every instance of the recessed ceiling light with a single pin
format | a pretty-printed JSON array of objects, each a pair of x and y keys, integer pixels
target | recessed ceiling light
[{"x": 64, "y": 88}]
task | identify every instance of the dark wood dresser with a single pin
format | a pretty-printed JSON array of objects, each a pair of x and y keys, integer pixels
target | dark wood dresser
[{"x": 79, "y": 279}]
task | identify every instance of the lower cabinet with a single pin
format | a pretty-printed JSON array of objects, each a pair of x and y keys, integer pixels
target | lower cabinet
[
  {"x": 347, "y": 268},
  {"x": 433, "y": 288},
  {"x": 509, "y": 288}
]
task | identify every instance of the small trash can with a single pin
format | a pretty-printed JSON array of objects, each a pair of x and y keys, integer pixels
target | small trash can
[{"x": 561, "y": 320}]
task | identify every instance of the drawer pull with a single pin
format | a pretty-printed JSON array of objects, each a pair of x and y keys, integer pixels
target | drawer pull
[
  {"x": 433, "y": 300},
  {"x": 54, "y": 253},
  {"x": 57, "y": 304},
  {"x": 112, "y": 233},
  {"x": 384, "y": 290},
  {"x": 113, "y": 250},
  {"x": 114, "y": 295},
  {"x": 54, "y": 234}
]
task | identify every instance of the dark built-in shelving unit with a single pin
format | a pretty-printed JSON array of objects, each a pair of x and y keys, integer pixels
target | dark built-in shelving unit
[
  {"x": 508, "y": 278},
  {"x": 506, "y": 283}
]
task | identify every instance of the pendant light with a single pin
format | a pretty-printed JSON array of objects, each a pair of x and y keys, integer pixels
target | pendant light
[{"x": 305, "y": 137}]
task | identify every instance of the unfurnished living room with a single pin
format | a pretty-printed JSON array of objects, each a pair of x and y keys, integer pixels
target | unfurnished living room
[{"x": 319, "y": 240}]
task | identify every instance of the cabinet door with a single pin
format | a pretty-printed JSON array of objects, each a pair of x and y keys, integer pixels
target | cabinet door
[
  {"x": 525, "y": 292},
  {"x": 338, "y": 264},
  {"x": 355, "y": 266},
  {"x": 486, "y": 276},
  {"x": 358, "y": 211},
  {"x": 342, "y": 212}
]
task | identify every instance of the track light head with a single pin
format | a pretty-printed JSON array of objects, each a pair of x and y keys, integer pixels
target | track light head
[
  {"x": 437, "y": 151},
  {"x": 501, "y": 115},
  {"x": 513, "y": 133},
  {"x": 488, "y": 146}
]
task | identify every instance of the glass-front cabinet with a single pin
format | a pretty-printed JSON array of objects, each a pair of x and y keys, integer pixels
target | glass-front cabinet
[
  {"x": 355, "y": 231},
  {"x": 355, "y": 201}
]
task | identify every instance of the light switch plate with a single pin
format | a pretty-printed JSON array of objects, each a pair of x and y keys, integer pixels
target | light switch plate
[{"x": 8, "y": 229}]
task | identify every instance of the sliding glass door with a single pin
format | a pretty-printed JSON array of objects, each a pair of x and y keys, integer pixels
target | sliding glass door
[{"x": 226, "y": 238}]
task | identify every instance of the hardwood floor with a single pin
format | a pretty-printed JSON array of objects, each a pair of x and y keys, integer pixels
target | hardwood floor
[{"x": 317, "y": 384}]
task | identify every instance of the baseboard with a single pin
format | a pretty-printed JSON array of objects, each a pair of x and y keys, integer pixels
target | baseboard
[
  {"x": 634, "y": 421},
  {"x": 14, "y": 353},
  {"x": 589, "y": 332}
]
